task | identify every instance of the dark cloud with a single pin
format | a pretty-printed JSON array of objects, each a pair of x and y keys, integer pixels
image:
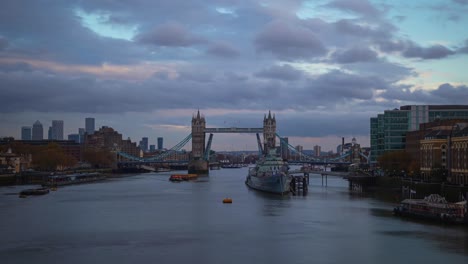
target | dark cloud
[
  {"x": 362, "y": 7},
  {"x": 444, "y": 94},
  {"x": 409, "y": 49},
  {"x": 461, "y": 2},
  {"x": 432, "y": 52},
  {"x": 3, "y": 43},
  {"x": 355, "y": 55},
  {"x": 323, "y": 123},
  {"x": 464, "y": 48},
  {"x": 400, "y": 18},
  {"x": 170, "y": 35},
  {"x": 337, "y": 85},
  {"x": 378, "y": 32},
  {"x": 393, "y": 72},
  {"x": 449, "y": 93},
  {"x": 223, "y": 49},
  {"x": 284, "y": 72},
  {"x": 289, "y": 41},
  {"x": 15, "y": 67}
]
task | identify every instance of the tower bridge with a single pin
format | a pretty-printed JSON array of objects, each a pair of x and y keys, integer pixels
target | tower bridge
[
  {"x": 198, "y": 162},
  {"x": 200, "y": 153}
]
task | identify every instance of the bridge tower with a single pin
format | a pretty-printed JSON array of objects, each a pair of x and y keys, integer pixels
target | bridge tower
[
  {"x": 197, "y": 164},
  {"x": 269, "y": 132}
]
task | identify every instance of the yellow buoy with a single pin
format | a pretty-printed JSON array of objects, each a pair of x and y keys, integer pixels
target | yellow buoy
[{"x": 227, "y": 200}]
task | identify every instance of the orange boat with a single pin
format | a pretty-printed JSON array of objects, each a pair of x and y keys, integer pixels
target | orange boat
[{"x": 182, "y": 177}]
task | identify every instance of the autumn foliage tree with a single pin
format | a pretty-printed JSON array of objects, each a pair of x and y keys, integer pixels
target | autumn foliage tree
[
  {"x": 396, "y": 162},
  {"x": 98, "y": 158},
  {"x": 51, "y": 157}
]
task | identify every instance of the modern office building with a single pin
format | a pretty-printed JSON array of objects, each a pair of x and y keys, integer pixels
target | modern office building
[
  {"x": 37, "y": 131},
  {"x": 26, "y": 133},
  {"x": 160, "y": 143},
  {"x": 144, "y": 144},
  {"x": 56, "y": 130},
  {"x": 74, "y": 137},
  {"x": 81, "y": 132},
  {"x": 152, "y": 148},
  {"x": 89, "y": 125},
  {"x": 388, "y": 130}
]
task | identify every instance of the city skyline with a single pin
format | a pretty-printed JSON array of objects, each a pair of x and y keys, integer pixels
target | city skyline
[{"x": 323, "y": 67}]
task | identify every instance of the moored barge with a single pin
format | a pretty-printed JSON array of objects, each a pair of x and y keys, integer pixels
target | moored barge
[{"x": 433, "y": 207}]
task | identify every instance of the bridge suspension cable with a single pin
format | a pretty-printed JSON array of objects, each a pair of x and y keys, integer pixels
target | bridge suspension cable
[
  {"x": 290, "y": 147},
  {"x": 176, "y": 148},
  {"x": 206, "y": 156},
  {"x": 161, "y": 156}
]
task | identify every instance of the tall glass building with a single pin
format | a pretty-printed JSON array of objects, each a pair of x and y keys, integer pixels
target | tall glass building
[
  {"x": 160, "y": 143},
  {"x": 37, "y": 131},
  {"x": 57, "y": 130},
  {"x": 89, "y": 125},
  {"x": 388, "y": 130},
  {"x": 26, "y": 133}
]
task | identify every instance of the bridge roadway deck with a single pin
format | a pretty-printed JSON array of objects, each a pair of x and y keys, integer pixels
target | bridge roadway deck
[{"x": 234, "y": 130}]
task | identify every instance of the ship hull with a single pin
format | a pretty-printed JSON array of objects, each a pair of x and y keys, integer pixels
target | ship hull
[{"x": 278, "y": 184}]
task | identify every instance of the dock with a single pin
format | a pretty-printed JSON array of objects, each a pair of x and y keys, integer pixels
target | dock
[{"x": 299, "y": 185}]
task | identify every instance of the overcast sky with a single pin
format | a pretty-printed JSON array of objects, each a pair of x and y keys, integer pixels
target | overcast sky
[{"x": 144, "y": 67}]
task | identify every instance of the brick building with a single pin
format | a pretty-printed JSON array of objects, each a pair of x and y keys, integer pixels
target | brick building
[{"x": 108, "y": 139}]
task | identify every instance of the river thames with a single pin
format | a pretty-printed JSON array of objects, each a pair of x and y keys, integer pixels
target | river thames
[{"x": 147, "y": 219}]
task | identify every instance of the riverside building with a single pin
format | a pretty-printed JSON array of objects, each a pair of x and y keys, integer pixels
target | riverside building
[{"x": 388, "y": 130}]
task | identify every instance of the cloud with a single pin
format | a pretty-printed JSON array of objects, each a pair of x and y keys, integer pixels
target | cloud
[
  {"x": 444, "y": 94},
  {"x": 461, "y": 2},
  {"x": 449, "y": 93},
  {"x": 284, "y": 72},
  {"x": 223, "y": 50},
  {"x": 464, "y": 48},
  {"x": 337, "y": 85},
  {"x": 289, "y": 41},
  {"x": 409, "y": 49},
  {"x": 432, "y": 52},
  {"x": 361, "y": 7},
  {"x": 3, "y": 43},
  {"x": 353, "y": 55},
  {"x": 171, "y": 34}
]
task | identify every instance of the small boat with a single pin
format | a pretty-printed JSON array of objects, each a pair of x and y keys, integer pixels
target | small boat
[
  {"x": 182, "y": 177},
  {"x": 75, "y": 178},
  {"x": 270, "y": 174},
  {"x": 232, "y": 166},
  {"x": 433, "y": 207},
  {"x": 38, "y": 191}
]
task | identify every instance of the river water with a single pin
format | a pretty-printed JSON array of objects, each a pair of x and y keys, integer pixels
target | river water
[{"x": 147, "y": 219}]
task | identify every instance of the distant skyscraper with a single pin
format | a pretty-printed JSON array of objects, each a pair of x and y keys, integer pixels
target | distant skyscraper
[
  {"x": 49, "y": 133},
  {"x": 37, "y": 131},
  {"x": 144, "y": 144},
  {"x": 160, "y": 143},
  {"x": 317, "y": 150},
  {"x": 57, "y": 130},
  {"x": 152, "y": 148},
  {"x": 26, "y": 133},
  {"x": 89, "y": 125},
  {"x": 81, "y": 132},
  {"x": 74, "y": 137}
]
